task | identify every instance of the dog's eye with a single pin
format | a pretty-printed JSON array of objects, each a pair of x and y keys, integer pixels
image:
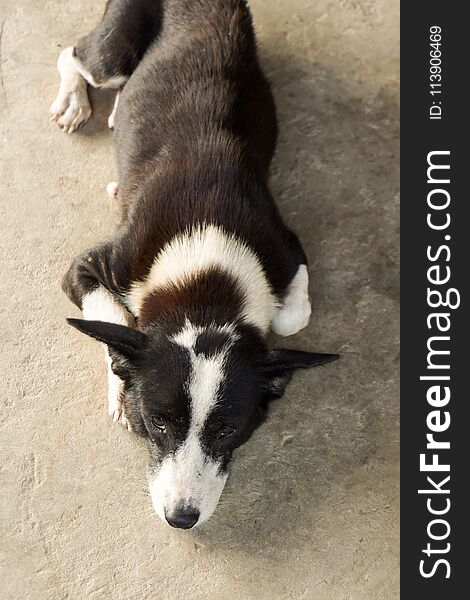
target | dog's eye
[
  {"x": 159, "y": 423},
  {"x": 224, "y": 431}
]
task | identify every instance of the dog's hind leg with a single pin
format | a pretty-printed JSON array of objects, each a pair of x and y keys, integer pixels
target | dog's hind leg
[{"x": 105, "y": 58}]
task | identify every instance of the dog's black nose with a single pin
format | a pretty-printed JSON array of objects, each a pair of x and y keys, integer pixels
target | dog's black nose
[{"x": 184, "y": 519}]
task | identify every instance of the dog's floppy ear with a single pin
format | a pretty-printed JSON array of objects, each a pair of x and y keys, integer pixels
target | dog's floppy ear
[
  {"x": 278, "y": 366},
  {"x": 124, "y": 340}
]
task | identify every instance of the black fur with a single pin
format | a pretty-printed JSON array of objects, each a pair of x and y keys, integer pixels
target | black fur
[
  {"x": 195, "y": 132},
  {"x": 155, "y": 370}
]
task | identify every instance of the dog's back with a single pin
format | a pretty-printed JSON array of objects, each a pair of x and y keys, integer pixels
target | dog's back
[
  {"x": 195, "y": 132},
  {"x": 199, "y": 84}
]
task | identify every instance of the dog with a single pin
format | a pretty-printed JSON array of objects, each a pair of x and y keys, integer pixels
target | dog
[{"x": 201, "y": 265}]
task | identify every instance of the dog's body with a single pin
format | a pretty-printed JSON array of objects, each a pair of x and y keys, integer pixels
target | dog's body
[{"x": 201, "y": 265}]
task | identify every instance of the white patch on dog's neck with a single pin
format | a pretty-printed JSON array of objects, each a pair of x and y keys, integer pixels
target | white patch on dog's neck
[{"x": 201, "y": 249}]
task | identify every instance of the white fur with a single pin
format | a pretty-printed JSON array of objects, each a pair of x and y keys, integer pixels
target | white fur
[
  {"x": 197, "y": 251},
  {"x": 206, "y": 373},
  {"x": 112, "y": 116},
  {"x": 100, "y": 305},
  {"x": 190, "y": 477},
  {"x": 112, "y": 189},
  {"x": 187, "y": 337},
  {"x": 294, "y": 314},
  {"x": 112, "y": 83},
  {"x": 71, "y": 108}
]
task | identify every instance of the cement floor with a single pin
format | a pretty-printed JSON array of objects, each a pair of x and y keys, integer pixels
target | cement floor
[{"x": 311, "y": 508}]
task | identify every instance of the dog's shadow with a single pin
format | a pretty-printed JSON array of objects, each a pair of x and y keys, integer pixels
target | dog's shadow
[
  {"x": 102, "y": 102},
  {"x": 333, "y": 178}
]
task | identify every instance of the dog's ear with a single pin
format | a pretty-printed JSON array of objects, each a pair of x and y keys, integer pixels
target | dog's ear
[
  {"x": 278, "y": 366},
  {"x": 125, "y": 341}
]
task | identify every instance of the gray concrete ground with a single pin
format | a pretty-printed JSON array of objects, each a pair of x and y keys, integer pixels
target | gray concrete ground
[{"x": 311, "y": 509}]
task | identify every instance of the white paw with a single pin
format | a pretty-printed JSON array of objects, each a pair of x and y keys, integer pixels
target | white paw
[
  {"x": 292, "y": 318},
  {"x": 71, "y": 110},
  {"x": 112, "y": 189},
  {"x": 116, "y": 412},
  {"x": 115, "y": 393},
  {"x": 294, "y": 314}
]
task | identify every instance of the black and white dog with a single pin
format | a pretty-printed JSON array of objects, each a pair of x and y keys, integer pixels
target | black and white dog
[{"x": 201, "y": 265}]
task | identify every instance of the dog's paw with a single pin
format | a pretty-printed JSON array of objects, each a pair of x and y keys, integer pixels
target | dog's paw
[
  {"x": 116, "y": 412},
  {"x": 291, "y": 319},
  {"x": 71, "y": 110},
  {"x": 294, "y": 314},
  {"x": 115, "y": 407}
]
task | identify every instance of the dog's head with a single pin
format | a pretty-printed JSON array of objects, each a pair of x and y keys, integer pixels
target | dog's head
[{"x": 196, "y": 393}]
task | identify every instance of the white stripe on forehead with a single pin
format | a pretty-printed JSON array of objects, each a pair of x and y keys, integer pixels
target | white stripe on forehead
[
  {"x": 187, "y": 337},
  {"x": 199, "y": 249},
  {"x": 207, "y": 373}
]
